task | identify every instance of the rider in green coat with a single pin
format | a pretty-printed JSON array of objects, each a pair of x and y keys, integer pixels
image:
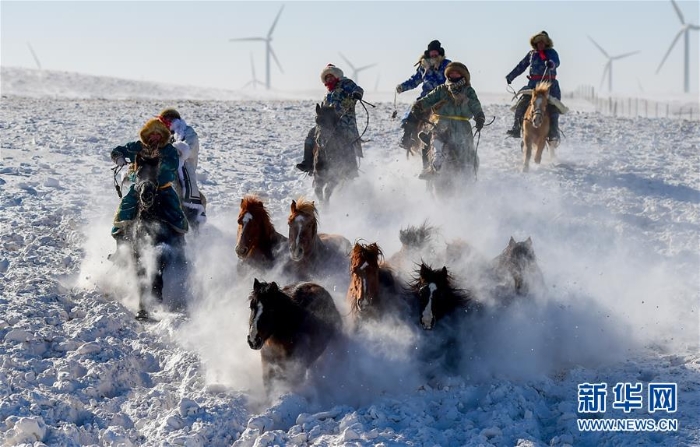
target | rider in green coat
[
  {"x": 154, "y": 139},
  {"x": 453, "y": 104}
]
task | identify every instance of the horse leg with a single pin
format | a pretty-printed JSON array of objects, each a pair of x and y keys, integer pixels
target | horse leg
[
  {"x": 538, "y": 152},
  {"x": 142, "y": 313},
  {"x": 526, "y": 155}
]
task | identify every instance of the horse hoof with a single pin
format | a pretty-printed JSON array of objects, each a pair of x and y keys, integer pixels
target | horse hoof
[{"x": 142, "y": 315}]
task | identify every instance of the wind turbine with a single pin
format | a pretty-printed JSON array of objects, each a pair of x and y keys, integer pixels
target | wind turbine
[
  {"x": 268, "y": 48},
  {"x": 685, "y": 30},
  {"x": 36, "y": 59},
  {"x": 608, "y": 66},
  {"x": 254, "y": 81},
  {"x": 355, "y": 71}
]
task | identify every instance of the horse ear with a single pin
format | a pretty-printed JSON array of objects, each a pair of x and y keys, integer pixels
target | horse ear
[
  {"x": 318, "y": 109},
  {"x": 256, "y": 285},
  {"x": 274, "y": 287},
  {"x": 528, "y": 242},
  {"x": 293, "y": 208},
  {"x": 242, "y": 202},
  {"x": 423, "y": 269},
  {"x": 444, "y": 270},
  {"x": 511, "y": 242}
]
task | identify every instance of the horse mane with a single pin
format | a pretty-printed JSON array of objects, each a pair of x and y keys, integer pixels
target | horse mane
[
  {"x": 456, "y": 296},
  {"x": 542, "y": 88},
  {"x": 368, "y": 252},
  {"x": 305, "y": 208},
  {"x": 251, "y": 203},
  {"x": 416, "y": 236}
]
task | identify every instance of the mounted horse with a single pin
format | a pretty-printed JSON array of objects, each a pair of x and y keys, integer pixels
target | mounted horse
[
  {"x": 258, "y": 244},
  {"x": 334, "y": 155},
  {"x": 536, "y": 126},
  {"x": 291, "y": 327},
  {"x": 374, "y": 292},
  {"x": 313, "y": 254}
]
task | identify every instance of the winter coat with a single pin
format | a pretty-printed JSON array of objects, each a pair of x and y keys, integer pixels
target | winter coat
[
  {"x": 537, "y": 70},
  {"x": 341, "y": 99},
  {"x": 426, "y": 74}
]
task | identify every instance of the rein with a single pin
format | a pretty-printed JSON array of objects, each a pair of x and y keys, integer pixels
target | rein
[{"x": 116, "y": 170}]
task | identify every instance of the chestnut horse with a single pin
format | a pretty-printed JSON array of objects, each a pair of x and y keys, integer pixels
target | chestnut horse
[
  {"x": 313, "y": 254},
  {"x": 374, "y": 292},
  {"x": 536, "y": 125},
  {"x": 258, "y": 244},
  {"x": 291, "y": 327}
]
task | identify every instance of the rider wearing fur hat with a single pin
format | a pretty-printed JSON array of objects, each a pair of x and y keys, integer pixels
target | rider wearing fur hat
[
  {"x": 430, "y": 72},
  {"x": 154, "y": 142},
  {"x": 343, "y": 95},
  {"x": 543, "y": 61},
  {"x": 452, "y": 105}
]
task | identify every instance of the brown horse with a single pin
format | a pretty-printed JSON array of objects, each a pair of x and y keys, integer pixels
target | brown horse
[
  {"x": 291, "y": 327},
  {"x": 258, "y": 245},
  {"x": 417, "y": 244},
  {"x": 311, "y": 253},
  {"x": 374, "y": 292},
  {"x": 438, "y": 297},
  {"x": 536, "y": 125},
  {"x": 516, "y": 270}
]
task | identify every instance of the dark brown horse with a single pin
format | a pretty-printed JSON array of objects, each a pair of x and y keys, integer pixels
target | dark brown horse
[
  {"x": 438, "y": 297},
  {"x": 334, "y": 154},
  {"x": 374, "y": 292},
  {"x": 313, "y": 254},
  {"x": 516, "y": 270},
  {"x": 291, "y": 327},
  {"x": 536, "y": 125},
  {"x": 259, "y": 245}
]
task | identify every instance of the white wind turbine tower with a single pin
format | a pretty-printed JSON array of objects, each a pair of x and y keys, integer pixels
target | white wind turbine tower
[
  {"x": 268, "y": 48},
  {"x": 608, "y": 66},
  {"x": 355, "y": 71},
  {"x": 685, "y": 30},
  {"x": 254, "y": 81}
]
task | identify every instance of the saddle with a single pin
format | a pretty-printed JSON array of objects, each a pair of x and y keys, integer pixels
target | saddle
[{"x": 552, "y": 100}]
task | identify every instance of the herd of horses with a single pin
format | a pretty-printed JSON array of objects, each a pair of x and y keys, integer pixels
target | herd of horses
[{"x": 293, "y": 324}]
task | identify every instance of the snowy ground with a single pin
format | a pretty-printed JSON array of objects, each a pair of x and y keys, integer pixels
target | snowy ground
[{"x": 615, "y": 224}]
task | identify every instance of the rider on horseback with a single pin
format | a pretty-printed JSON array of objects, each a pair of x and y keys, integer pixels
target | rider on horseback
[
  {"x": 452, "y": 105},
  {"x": 543, "y": 61},
  {"x": 154, "y": 142},
  {"x": 430, "y": 72},
  {"x": 342, "y": 94}
]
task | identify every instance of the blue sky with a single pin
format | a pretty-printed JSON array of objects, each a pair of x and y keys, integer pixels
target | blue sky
[{"x": 186, "y": 42}]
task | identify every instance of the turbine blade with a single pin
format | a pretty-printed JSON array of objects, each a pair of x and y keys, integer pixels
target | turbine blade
[
  {"x": 248, "y": 39},
  {"x": 352, "y": 67},
  {"x": 678, "y": 11},
  {"x": 274, "y": 24},
  {"x": 366, "y": 67},
  {"x": 599, "y": 47},
  {"x": 625, "y": 55},
  {"x": 274, "y": 56},
  {"x": 36, "y": 59},
  {"x": 675, "y": 39},
  {"x": 602, "y": 78},
  {"x": 695, "y": 27}
]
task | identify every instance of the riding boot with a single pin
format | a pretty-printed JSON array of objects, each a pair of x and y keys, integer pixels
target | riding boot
[
  {"x": 553, "y": 136},
  {"x": 307, "y": 164},
  {"x": 520, "y": 109},
  {"x": 409, "y": 126}
]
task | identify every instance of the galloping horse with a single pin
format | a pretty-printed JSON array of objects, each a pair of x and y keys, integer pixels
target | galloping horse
[
  {"x": 417, "y": 244},
  {"x": 334, "y": 157},
  {"x": 149, "y": 231},
  {"x": 259, "y": 245},
  {"x": 291, "y": 327},
  {"x": 536, "y": 125},
  {"x": 374, "y": 292},
  {"x": 516, "y": 270},
  {"x": 311, "y": 253},
  {"x": 437, "y": 296}
]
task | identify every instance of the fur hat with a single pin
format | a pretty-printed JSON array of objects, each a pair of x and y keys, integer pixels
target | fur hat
[
  {"x": 434, "y": 45},
  {"x": 154, "y": 134},
  {"x": 170, "y": 114},
  {"x": 331, "y": 69},
  {"x": 459, "y": 68},
  {"x": 542, "y": 35}
]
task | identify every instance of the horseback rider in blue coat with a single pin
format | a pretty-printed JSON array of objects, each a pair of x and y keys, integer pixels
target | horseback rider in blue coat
[
  {"x": 543, "y": 61},
  {"x": 430, "y": 72}
]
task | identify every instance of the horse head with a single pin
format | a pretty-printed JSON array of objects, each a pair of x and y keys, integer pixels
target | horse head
[
  {"x": 520, "y": 260},
  {"x": 303, "y": 229},
  {"x": 253, "y": 225},
  {"x": 146, "y": 181},
  {"x": 364, "y": 276},
  {"x": 436, "y": 295},
  {"x": 264, "y": 301},
  {"x": 538, "y": 103},
  {"x": 326, "y": 116}
]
